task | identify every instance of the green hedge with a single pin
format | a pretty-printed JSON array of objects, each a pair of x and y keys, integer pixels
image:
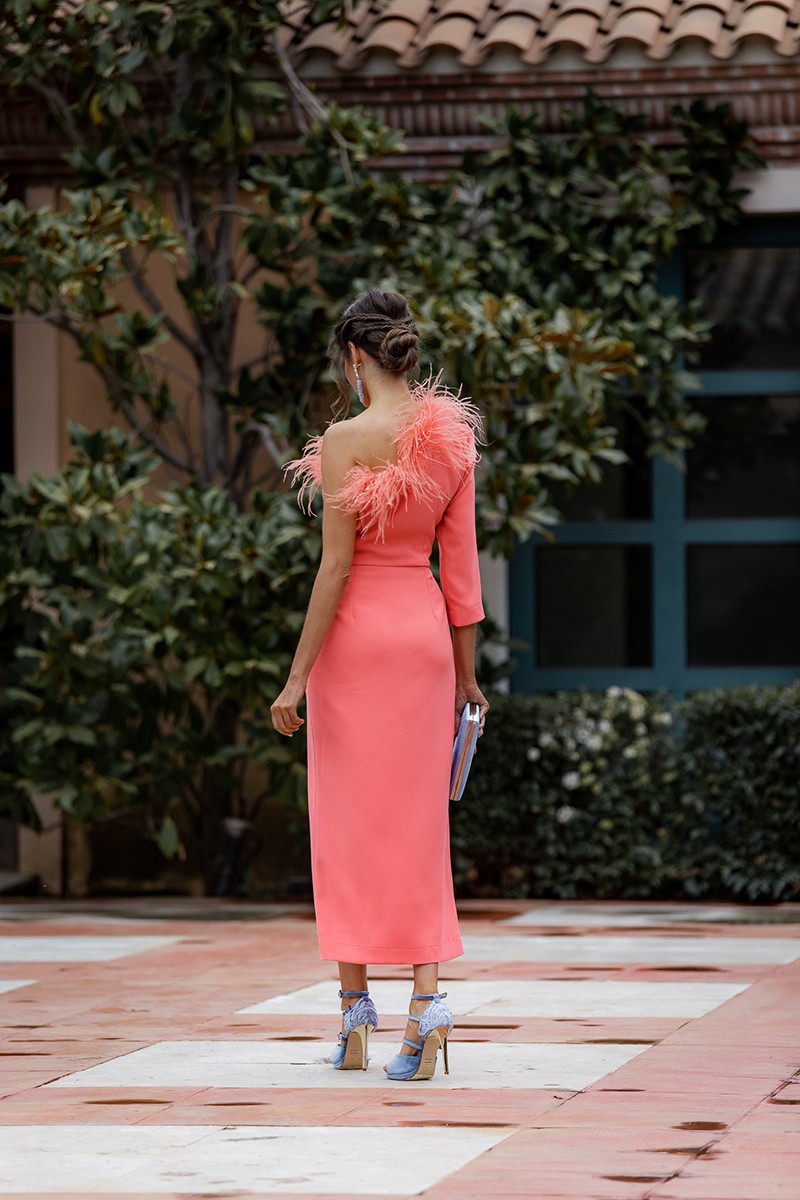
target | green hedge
[{"x": 615, "y": 794}]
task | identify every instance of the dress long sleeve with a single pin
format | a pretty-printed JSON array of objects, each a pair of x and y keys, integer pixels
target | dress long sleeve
[{"x": 458, "y": 556}]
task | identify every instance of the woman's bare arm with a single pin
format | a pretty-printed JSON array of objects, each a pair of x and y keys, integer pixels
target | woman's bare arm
[
  {"x": 466, "y": 683},
  {"x": 338, "y": 543}
]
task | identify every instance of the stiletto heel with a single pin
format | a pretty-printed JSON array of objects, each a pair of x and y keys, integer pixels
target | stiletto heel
[
  {"x": 435, "y": 1027},
  {"x": 359, "y": 1020}
]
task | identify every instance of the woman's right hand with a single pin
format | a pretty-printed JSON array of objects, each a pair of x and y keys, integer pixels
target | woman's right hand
[
  {"x": 470, "y": 692},
  {"x": 285, "y": 718}
]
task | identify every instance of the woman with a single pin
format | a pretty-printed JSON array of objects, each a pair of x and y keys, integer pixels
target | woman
[{"x": 386, "y": 678}]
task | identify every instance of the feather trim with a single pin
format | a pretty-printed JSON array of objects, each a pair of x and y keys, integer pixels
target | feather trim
[
  {"x": 440, "y": 428},
  {"x": 307, "y": 471}
]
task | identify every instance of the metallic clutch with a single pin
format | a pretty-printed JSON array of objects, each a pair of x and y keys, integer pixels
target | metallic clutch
[{"x": 464, "y": 748}]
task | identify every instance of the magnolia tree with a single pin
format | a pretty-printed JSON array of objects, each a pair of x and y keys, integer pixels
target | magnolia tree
[{"x": 532, "y": 273}]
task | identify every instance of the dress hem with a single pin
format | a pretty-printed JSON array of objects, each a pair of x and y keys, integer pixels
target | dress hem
[{"x": 380, "y": 955}]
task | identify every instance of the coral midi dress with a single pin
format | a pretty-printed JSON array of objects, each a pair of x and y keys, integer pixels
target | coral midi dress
[{"x": 380, "y": 697}]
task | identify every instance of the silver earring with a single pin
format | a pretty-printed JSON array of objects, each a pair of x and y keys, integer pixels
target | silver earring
[{"x": 359, "y": 384}]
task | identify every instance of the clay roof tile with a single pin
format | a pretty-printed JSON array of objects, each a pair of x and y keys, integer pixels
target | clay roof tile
[
  {"x": 597, "y": 7},
  {"x": 455, "y": 32},
  {"x": 475, "y": 9},
  {"x": 722, "y": 6},
  {"x": 326, "y": 37},
  {"x": 788, "y": 5},
  {"x": 516, "y": 31},
  {"x": 577, "y": 27},
  {"x": 637, "y": 24},
  {"x": 703, "y": 21},
  {"x": 531, "y": 8},
  {"x": 470, "y": 28},
  {"x": 406, "y": 10},
  {"x": 764, "y": 20},
  {"x": 394, "y": 34}
]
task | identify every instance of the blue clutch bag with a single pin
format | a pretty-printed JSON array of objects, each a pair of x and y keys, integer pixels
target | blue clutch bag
[{"x": 464, "y": 748}]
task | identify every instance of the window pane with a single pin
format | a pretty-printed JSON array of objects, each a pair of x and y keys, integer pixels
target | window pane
[
  {"x": 743, "y": 605},
  {"x": 747, "y": 463},
  {"x": 624, "y": 492},
  {"x": 752, "y": 296},
  {"x": 594, "y": 606}
]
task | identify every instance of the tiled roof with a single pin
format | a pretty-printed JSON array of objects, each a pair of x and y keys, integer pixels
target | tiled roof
[{"x": 470, "y": 30}]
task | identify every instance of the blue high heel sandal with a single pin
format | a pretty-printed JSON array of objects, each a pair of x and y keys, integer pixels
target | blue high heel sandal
[
  {"x": 434, "y": 1020},
  {"x": 360, "y": 1019}
]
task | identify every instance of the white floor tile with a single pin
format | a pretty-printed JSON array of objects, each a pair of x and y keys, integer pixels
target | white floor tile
[
  {"x": 525, "y": 998},
  {"x": 262, "y": 1065},
  {"x": 212, "y": 1160},
  {"x": 11, "y": 985},
  {"x": 631, "y": 916},
  {"x": 76, "y": 948},
  {"x": 690, "y": 950}
]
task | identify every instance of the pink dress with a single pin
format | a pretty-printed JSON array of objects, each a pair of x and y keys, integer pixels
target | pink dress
[{"x": 381, "y": 695}]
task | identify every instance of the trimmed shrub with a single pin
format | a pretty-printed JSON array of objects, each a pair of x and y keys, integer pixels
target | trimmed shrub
[
  {"x": 616, "y": 794},
  {"x": 740, "y": 778}
]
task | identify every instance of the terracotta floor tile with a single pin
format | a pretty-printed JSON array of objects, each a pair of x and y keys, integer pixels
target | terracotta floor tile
[{"x": 690, "y": 1117}]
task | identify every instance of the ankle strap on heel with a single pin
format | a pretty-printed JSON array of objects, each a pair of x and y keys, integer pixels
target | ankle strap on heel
[
  {"x": 429, "y": 996},
  {"x": 351, "y": 995}
]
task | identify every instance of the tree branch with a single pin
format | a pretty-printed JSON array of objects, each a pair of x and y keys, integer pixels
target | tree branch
[
  {"x": 309, "y": 103},
  {"x": 59, "y": 106},
  {"x": 154, "y": 304},
  {"x": 140, "y": 431}
]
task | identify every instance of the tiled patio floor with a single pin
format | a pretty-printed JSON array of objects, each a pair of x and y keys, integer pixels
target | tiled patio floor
[{"x": 178, "y": 1048}]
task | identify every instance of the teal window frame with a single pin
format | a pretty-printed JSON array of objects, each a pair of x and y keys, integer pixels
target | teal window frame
[{"x": 669, "y": 533}]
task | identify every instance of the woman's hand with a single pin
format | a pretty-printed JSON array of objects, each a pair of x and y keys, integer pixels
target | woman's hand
[
  {"x": 284, "y": 710},
  {"x": 470, "y": 692}
]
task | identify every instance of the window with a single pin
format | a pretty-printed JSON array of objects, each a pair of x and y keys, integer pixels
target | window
[{"x": 667, "y": 579}]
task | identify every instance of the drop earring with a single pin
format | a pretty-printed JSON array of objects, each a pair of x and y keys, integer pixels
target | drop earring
[{"x": 359, "y": 384}]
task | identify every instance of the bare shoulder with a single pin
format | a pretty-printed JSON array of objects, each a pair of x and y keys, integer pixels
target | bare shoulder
[
  {"x": 340, "y": 446},
  {"x": 343, "y": 437},
  {"x": 340, "y": 432}
]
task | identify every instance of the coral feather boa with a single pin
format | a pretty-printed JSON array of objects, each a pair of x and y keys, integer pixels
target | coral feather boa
[{"x": 441, "y": 427}]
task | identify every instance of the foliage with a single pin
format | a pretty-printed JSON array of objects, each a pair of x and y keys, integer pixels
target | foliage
[
  {"x": 740, "y": 765},
  {"x": 565, "y": 797},
  {"x": 532, "y": 271},
  {"x": 159, "y": 108},
  {"x": 589, "y": 218},
  {"x": 619, "y": 795},
  {"x": 143, "y": 643},
  {"x": 138, "y": 673}
]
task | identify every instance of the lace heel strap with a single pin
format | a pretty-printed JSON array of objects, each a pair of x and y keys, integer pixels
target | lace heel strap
[
  {"x": 363, "y": 1012},
  {"x": 436, "y": 1016}
]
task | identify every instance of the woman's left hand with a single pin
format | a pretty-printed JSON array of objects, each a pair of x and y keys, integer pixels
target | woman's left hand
[
  {"x": 284, "y": 710},
  {"x": 470, "y": 692}
]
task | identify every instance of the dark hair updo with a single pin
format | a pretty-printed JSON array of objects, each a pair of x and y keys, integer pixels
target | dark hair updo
[{"x": 380, "y": 324}]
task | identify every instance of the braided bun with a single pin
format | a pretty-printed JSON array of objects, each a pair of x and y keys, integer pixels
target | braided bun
[
  {"x": 399, "y": 349},
  {"x": 380, "y": 324}
]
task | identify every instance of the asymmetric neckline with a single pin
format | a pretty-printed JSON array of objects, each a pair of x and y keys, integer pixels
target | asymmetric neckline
[
  {"x": 439, "y": 428},
  {"x": 411, "y": 417}
]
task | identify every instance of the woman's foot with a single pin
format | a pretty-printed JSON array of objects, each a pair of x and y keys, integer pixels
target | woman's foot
[
  {"x": 430, "y": 1028},
  {"x": 359, "y": 1019}
]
